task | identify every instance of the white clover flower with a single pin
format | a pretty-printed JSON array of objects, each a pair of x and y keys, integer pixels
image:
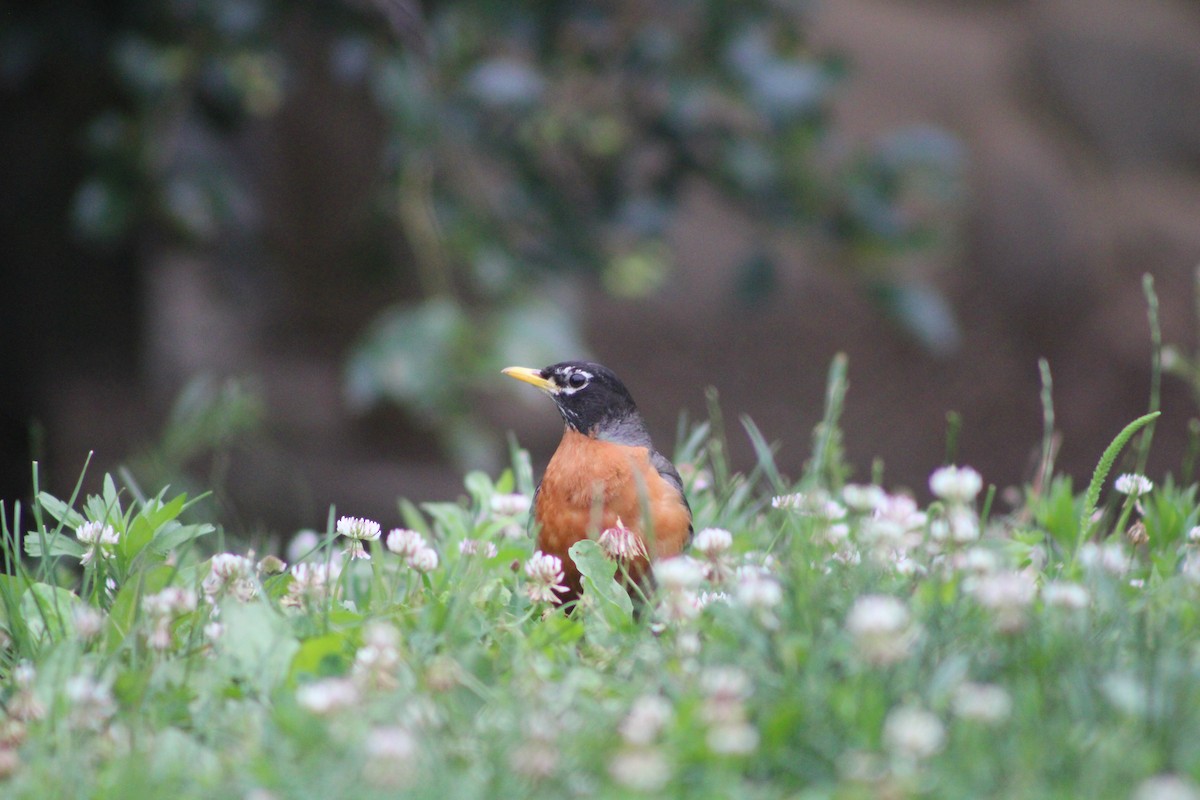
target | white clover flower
[
  {"x": 213, "y": 631},
  {"x": 621, "y": 544},
  {"x": 713, "y": 542},
  {"x": 170, "y": 602},
  {"x": 405, "y": 542},
  {"x": 724, "y": 710},
  {"x": 1167, "y": 787},
  {"x": 863, "y": 499},
  {"x": 1066, "y": 595},
  {"x": 1193, "y": 535},
  {"x": 683, "y": 605},
  {"x": 904, "y": 511},
  {"x": 424, "y": 560},
  {"x": 1109, "y": 557},
  {"x": 647, "y": 717},
  {"x": 312, "y": 582},
  {"x": 376, "y": 662},
  {"x": 836, "y": 534},
  {"x": 391, "y": 752},
  {"x": 510, "y": 505},
  {"x": 735, "y": 739},
  {"x": 1133, "y": 484},
  {"x": 963, "y": 524},
  {"x": 644, "y": 770},
  {"x": 327, "y": 696},
  {"x": 705, "y": 599},
  {"x": 913, "y": 733},
  {"x": 473, "y": 547},
  {"x": 757, "y": 588},
  {"x": 88, "y": 622},
  {"x": 956, "y": 485},
  {"x": 882, "y": 533},
  {"x": 534, "y": 759},
  {"x": 985, "y": 703},
  {"x": 545, "y": 573},
  {"x": 10, "y": 762},
  {"x": 303, "y": 545},
  {"x": 725, "y": 685},
  {"x": 678, "y": 573},
  {"x": 881, "y": 628},
  {"x": 1190, "y": 566},
  {"x": 1007, "y": 595},
  {"x": 100, "y": 539},
  {"x": 91, "y": 703},
  {"x": 817, "y": 503},
  {"x": 231, "y": 572},
  {"x": 24, "y": 705},
  {"x": 358, "y": 530}
]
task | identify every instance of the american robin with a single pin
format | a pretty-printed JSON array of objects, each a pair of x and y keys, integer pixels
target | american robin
[{"x": 605, "y": 472}]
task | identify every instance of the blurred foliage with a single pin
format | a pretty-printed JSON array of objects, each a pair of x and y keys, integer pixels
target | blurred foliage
[{"x": 524, "y": 140}]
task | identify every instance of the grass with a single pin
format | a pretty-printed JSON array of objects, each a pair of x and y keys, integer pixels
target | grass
[{"x": 847, "y": 644}]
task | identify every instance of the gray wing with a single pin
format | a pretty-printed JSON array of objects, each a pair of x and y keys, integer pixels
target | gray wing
[{"x": 671, "y": 476}]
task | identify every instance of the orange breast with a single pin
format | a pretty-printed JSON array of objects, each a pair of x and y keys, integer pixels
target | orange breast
[{"x": 589, "y": 484}]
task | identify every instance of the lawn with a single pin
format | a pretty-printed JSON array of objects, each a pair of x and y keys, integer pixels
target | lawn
[{"x": 822, "y": 638}]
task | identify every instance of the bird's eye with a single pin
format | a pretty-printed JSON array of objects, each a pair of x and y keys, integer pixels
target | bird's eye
[{"x": 576, "y": 380}]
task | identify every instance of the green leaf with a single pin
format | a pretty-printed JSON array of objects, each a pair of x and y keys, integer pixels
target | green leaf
[
  {"x": 55, "y": 545},
  {"x": 452, "y": 518},
  {"x": 47, "y": 610},
  {"x": 123, "y": 614},
  {"x": 480, "y": 487},
  {"x": 257, "y": 645},
  {"x": 321, "y": 656},
  {"x": 173, "y": 535},
  {"x": 599, "y": 578},
  {"x": 60, "y": 510}
]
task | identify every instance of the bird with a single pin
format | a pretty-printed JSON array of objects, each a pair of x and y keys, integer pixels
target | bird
[{"x": 604, "y": 474}]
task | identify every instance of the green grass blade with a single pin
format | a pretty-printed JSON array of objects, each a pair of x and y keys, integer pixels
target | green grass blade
[{"x": 1092, "y": 496}]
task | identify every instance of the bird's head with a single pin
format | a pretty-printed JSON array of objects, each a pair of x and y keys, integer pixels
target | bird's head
[{"x": 591, "y": 399}]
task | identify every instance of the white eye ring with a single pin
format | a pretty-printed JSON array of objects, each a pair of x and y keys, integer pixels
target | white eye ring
[{"x": 576, "y": 380}]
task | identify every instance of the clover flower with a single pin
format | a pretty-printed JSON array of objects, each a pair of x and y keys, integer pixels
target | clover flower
[
  {"x": 985, "y": 703},
  {"x": 376, "y": 662},
  {"x": 545, "y": 573},
  {"x": 646, "y": 719},
  {"x": 913, "y": 733},
  {"x": 358, "y": 530},
  {"x": 881, "y": 628},
  {"x": 88, "y": 622},
  {"x": 391, "y": 752},
  {"x": 472, "y": 547},
  {"x": 230, "y": 573},
  {"x": 645, "y": 770},
  {"x": 1134, "y": 484},
  {"x": 510, "y": 505},
  {"x": 956, "y": 485},
  {"x": 100, "y": 539},
  {"x": 91, "y": 702},
  {"x": 757, "y": 588},
  {"x": 621, "y": 544},
  {"x": 863, "y": 499},
  {"x": 162, "y": 608},
  {"x": 724, "y": 710},
  {"x": 312, "y": 583},
  {"x": 1007, "y": 595},
  {"x": 1167, "y": 787},
  {"x": 405, "y": 542},
  {"x": 327, "y": 696},
  {"x": 424, "y": 560},
  {"x": 1066, "y": 595}
]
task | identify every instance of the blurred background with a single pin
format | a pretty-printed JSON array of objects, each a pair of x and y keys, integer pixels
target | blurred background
[{"x": 282, "y": 249}]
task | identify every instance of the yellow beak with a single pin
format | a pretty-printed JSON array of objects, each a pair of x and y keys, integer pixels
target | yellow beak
[{"x": 531, "y": 376}]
